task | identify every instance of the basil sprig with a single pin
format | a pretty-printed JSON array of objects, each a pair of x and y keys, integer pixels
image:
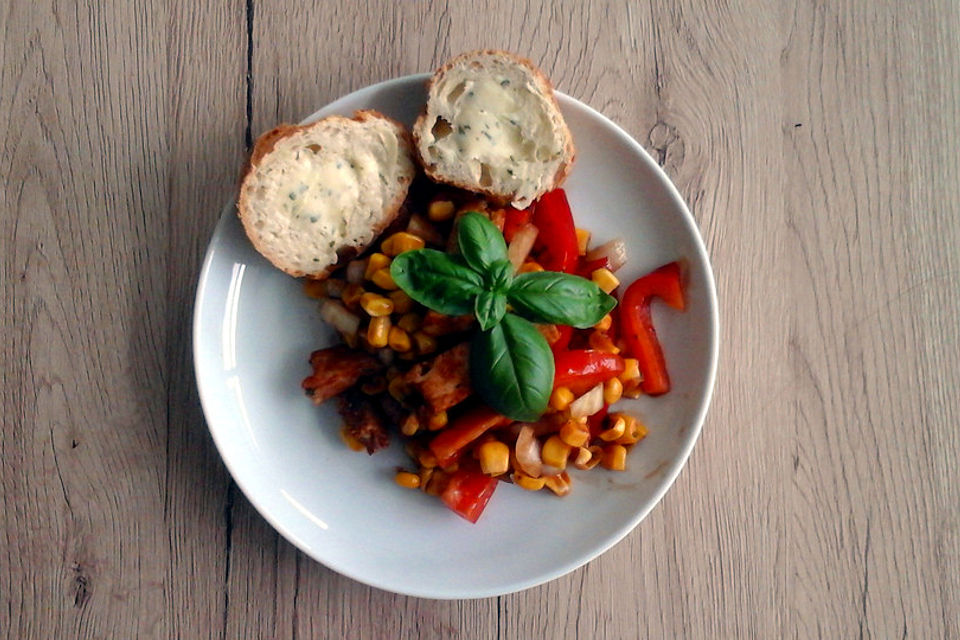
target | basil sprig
[{"x": 511, "y": 365}]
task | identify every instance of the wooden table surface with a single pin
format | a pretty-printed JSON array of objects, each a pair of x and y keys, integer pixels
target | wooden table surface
[{"x": 817, "y": 145}]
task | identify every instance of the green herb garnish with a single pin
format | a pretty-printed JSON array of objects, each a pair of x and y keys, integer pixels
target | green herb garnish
[{"x": 511, "y": 365}]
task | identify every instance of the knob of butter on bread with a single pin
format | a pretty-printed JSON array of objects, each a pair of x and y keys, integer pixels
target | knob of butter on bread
[
  {"x": 492, "y": 125},
  {"x": 315, "y": 195}
]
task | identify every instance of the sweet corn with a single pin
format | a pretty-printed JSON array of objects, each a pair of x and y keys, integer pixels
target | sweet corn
[
  {"x": 633, "y": 392},
  {"x": 401, "y": 241},
  {"x": 616, "y": 429},
  {"x": 605, "y": 279},
  {"x": 376, "y": 305},
  {"x": 604, "y": 324},
  {"x": 425, "y": 344},
  {"x": 402, "y": 303},
  {"x": 612, "y": 391},
  {"x": 397, "y": 388},
  {"x": 614, "y": 457},
  {"x": 524, "y": 481},
  {"x": 378, "y": 332},
  {"x": 574, "y": 434},
  {"x": 426, "y": 459},
  {"x": 407, "y": 480},
  {"x": 315, "y": 288},
  {"x": 585, "y": 459},
  {"x": 425, "y": 474},
  {"x": 559, "y": 484},
  {"x": 634, "y": 432},
  {"x": 383, "y": 279},
  {"x": 631, "y": 370},
  {"x": 350, "y": 440},
  {"x": 375, "y": 262},
  {"x": 494, "y": 458},
  {"x": 440, "y": 210},
  {"x": 583, "y": 240},
  {"x": 555, "y": 452},
  {"x": 529, "y": 267},
  {"x": 351, "y": 296},
  {"x": 398, "y": 340},
  {"x": 374, "y": 386},
  {"x": 437, "y": 421},
  {"x": 561, "y": 398},
  {"x": 410, "y": 425},
  {"x": 409, "y": 322}
]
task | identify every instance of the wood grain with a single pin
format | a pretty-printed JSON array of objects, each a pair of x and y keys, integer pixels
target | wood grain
[{"x": 816, "y": 145}]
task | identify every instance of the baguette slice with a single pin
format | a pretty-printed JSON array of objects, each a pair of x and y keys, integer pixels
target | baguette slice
[
  {"x": 318, "y": 194},
  {"x": 492, "y": 125}
]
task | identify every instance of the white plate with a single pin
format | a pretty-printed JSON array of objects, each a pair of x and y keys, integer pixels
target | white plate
[{"x": 253, "y": 332}]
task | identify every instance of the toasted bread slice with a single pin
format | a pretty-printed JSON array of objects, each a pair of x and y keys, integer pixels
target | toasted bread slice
[
  {"x": 492, "y": 125},
  {"x": 317, "y": 194}
]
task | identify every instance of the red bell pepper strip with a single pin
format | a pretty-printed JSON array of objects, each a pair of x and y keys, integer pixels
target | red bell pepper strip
[
  {"x": 561, "y": 343},
  {"x": 448, "y": 443},
  {"x": 516, "y": 218},
  {"x": 636, "y": 323},
  {"x": 595, "y": 422},
  {"x": 587, "y": 267},
  {"x": 582, "y": 369},
  {"x": 556, "y": 245},
  {"x": 468, "y": 492}
]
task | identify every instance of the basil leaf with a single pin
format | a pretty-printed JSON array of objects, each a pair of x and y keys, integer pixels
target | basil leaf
[
  {"x": 437, "y": 281},
  {"x": 481, "y": 243},
  {"x": 511, "y": 368},
  {"x": 489, "y": 308},
  {"x": 559, "y": 298},
  {"x": 499, "y": 277}
]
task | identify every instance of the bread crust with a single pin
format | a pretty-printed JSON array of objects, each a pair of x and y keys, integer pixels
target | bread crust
[
  {"x": 497, "y": 197},
  {"x": 266, "y": 143}
]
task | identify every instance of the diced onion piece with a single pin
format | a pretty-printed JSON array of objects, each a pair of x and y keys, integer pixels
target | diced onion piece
[
  {"x": 335, "y": 287},
  {"x": 528, "y": 452},
  {"x": 615, "y": 251},
  {"x": 522, "y": 244},
  {"x": 355, "y": 270},
  {"x": 339, "y": 318},
  {"x": 587, "y": 404}
]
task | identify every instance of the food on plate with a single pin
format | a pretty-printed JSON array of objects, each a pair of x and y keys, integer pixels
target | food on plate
[
  {"x": 492, "y": 126},
  {"x": 316, "y": 195},
  {"x": 482, "y": 326}
]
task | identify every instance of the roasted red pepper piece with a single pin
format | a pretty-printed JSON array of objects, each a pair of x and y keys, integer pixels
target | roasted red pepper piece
[
  {"x": 595, "y": 422},
  {"x": 582, "y": 369},
  {"x": 515, "y": 220},
  {"x": 556, "y": 245},
  {"x": 636, "y": 323},
  {"x": 448, "y": 443},
  {"x": 468, "y": 492},
  {"x": 561, "y": 343}
]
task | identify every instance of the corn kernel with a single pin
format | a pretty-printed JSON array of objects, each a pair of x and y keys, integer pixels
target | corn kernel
[
  {"x": 350, "y": 440},
  {"x": 376, "y": 305},
  {"x": 634, "y": 432},
  {"x": 440, "y": 210},
  {"x": 559, "y": 484},
  {"x": 605, "y": 323},
  {"x": 574, "y": 434},
  {"x": 375, "y": 262},
  {"x": 555, "y": 452},
  {"x": 351, "y": 296},
  {"x": 612, "y": 391},
  {"x": 409, "y": 322},
  {"x": 425, "y": 475},
  {"x": 402, "y": 303},
  {"x": 425, "y": 344},
  {"x": 605, "y": 279},
  {"x": 427, "y": 459},
  {"x": 437, "y": 421},
  {"x": 378, "y": 332},
  {"x": 398, "y": 389},
  {"x": 561, "y": 398},
  {"x": 494, "y": 458},
  {"x": 585, "y": 459},
  {"x": 374, "y": 386},
  {"x": 583, "y": 240},
  {"x": 407, "y": 480},
  {"x": 616, "y": 429},
  {"x": 524, "y": 481},
  {"x": 399, "y": 340},
  {"x": 633, "y": 392},
  {"x": 401, "y": 241},
  {"x": 315, "y": 288},
  {"x": 410, "y": 425},
  {"x": 384, "y": 280},
  {"x": 631, "y": 370},
  {"x": 614, "y": 457},
  {"x": 529, "y": 267}
]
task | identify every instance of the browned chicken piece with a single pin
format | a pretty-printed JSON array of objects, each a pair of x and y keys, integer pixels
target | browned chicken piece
[
  {"x": 335, "y": 370},
  {"x": 363, "y": 421},
  {"x": 437, "y": 324},
  {"x": 443, "y": 381}
]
